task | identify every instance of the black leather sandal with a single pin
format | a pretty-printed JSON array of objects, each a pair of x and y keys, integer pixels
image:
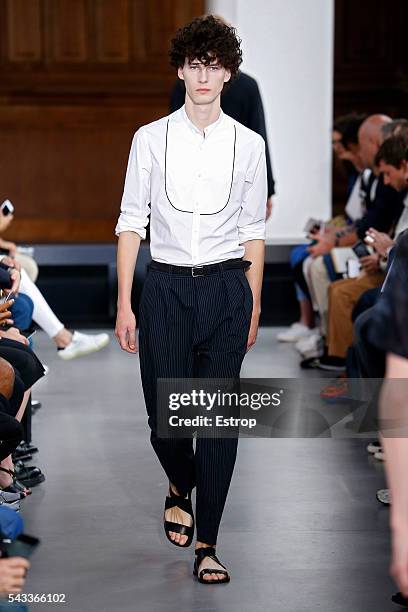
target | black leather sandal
[
  {"x": 185, "y": 505},
  {"x": 16, "y": 486},
  {"x": 201, "y": 553}
]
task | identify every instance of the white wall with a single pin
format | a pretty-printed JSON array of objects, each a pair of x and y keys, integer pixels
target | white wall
[{"x": 288, "y": 47}]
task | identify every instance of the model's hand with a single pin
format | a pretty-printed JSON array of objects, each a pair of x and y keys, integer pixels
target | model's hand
[
  {"x": 12, "y": 575},
  {"x": 269, "y": 206},
  {"x": 253, "y": 329},
  {"x": 370, "y": 263},
  {"x": 125, "y": 330},
  {"x": 14, "y": 334},
  {"x": 5, "y": 314}
]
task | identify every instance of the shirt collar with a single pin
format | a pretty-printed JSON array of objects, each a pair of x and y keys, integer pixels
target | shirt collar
[{"x": 207, "y": 131}]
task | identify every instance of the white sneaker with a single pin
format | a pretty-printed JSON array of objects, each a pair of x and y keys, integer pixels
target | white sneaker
[
  {"x": 294, "y": 333},
  {"x": 313, "y": 346},
  {"x": 384, "y": 496},
  {"x": 380, "y": 455},
  {"x": 83, "y": 344}
]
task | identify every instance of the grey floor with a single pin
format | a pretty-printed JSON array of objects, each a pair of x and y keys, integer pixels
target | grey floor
[{"x": 302, "y": 530}]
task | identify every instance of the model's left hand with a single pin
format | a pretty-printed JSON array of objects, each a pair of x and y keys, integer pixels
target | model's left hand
[{"x": 253, "y": 330}]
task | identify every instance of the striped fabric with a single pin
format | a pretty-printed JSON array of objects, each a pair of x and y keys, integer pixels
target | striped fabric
[{"x": 194, "y": 328}]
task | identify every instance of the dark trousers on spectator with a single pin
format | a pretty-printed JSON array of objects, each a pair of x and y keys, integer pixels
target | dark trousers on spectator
[
  {"x": 11, "y": 432},
  {"x": 194, "y": 327}
]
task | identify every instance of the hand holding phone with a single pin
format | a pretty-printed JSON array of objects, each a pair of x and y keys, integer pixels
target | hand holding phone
[{"x": 23, "y": 546}]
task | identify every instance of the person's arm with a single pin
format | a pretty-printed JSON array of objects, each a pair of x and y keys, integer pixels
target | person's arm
[
  {"x": 256, "y": 122},
  {"x": 251, "y": 229},
  {"x": 393, "y": 407},
  {"x": 125, "y": 330},
  {"x": 131, "y": 229}
]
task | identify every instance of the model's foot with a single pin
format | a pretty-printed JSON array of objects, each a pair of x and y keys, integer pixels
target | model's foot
[
  {"x": 210, "y": 564},
  {"x": 175, "y": 515}
]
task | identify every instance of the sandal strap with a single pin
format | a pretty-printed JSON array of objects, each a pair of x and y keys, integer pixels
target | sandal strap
[
  {"x": 180, "y": 502},
  {"x": 203, "y": 552},
  {"x": 207, "y": 571},
  {"x": 179, "y": 528},
  {"x": 9, "y": 472}
]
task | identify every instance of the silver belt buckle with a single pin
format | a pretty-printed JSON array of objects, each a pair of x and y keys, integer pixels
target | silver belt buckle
[{"x": 195, "y": 268}]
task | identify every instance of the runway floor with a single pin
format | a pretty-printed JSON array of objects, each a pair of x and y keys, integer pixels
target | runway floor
[{"x": 302, "y": 530}]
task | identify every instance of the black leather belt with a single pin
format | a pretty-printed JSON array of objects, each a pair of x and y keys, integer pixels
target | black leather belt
[{"x": 229, "y": 264}]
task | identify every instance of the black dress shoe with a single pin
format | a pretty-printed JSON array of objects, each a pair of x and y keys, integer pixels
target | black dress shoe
[
  {"x": 26, "y": 447},
  {"x": 21, "y": 456},
  {"x": 28, "y": 475}
]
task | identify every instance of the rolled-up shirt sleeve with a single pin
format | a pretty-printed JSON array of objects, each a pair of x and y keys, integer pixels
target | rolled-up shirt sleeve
[
  {"x": 135, "y": 205},
  {"x": 251, "y": 221}
]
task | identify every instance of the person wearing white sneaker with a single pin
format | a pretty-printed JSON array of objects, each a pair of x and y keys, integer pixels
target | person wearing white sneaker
[
  {"x": 294, "y": 333},
  {"x": 312, "y": 346},
  {"x": 70, "y": 344}
]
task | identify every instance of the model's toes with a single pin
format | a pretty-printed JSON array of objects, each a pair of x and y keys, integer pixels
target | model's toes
[{"x": 183, "y": 539}]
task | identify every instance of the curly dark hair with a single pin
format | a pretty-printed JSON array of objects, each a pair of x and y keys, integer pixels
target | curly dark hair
[{"x": 206, "y": 39}]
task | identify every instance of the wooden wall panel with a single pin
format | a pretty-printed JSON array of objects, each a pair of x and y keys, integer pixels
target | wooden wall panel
[
  {"x": 371, "y": 56},
  {"x": 112, "y": 30},
  {"x": 24, "y": 33},
  {"x": 91, "y": 73},
  {"x": 67, "y": 30}
]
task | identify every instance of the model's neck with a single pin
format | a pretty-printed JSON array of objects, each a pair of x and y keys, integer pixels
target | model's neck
[{"x": 203, "y": 115}]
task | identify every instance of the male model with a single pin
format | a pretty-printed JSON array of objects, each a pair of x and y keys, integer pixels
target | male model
[{"x": 202, "y": 178}]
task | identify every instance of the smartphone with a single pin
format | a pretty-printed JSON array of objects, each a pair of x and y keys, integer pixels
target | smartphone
[
  {"x": 23, "y": 546},
  {"x": 312, "y": 225},
  {"x": 7, "y": 208},
  {"x": 7, "y": 298},
  {"x": 31, "y": 335},
  {"x": 360, "y": 249}
]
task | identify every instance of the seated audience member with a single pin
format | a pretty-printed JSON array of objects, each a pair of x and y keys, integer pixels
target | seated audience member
[
  {"x": 13, "y": 570},
  {"x": 27, "y": 370},
  {"x": 11, "y": 249},
  {"x": 383, "y": 207},
  {"x": 69, "y": 344},
  {"x": 346, "y": 148},
  {"x": 11, "y": 432},
  {"x": 343, "y": 295},
  {"x": 389, "y": 333}
]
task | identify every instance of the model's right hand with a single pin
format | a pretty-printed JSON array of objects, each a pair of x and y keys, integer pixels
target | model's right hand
[{"x": 125, "y": 330}]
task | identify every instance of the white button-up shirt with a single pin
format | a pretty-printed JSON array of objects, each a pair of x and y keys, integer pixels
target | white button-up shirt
[{"x": 205, "y": 192}]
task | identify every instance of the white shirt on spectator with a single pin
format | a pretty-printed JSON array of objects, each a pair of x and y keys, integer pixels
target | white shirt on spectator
[{"x": 206, "y": 192}]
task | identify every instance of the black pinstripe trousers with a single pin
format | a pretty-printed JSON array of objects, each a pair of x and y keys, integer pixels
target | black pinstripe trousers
[{"x": 194, "y": 327}]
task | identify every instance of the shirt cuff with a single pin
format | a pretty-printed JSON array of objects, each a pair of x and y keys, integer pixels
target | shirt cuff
[
  {"x": 130, "y": 223},
  {"x": 252, "y": 232}
]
